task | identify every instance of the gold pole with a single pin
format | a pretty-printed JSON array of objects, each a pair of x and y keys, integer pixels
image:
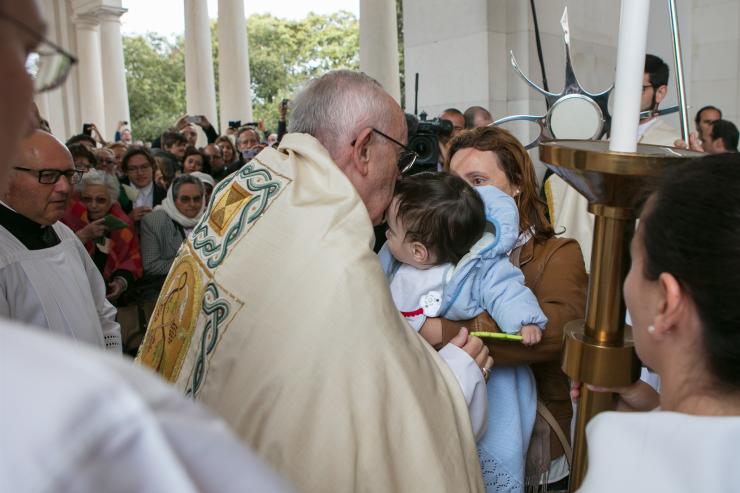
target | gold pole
[
  {"x": 597, "y": 350},
  {"x": 603, "y": 329}
]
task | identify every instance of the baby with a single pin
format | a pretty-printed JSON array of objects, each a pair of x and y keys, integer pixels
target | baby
[{"x": 442, "y": 260}]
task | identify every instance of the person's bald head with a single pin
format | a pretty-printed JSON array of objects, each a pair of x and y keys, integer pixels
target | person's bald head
[
  {"x": 16, "y": 87},
  {"x": 42, "y": 156},
  {"x": 477, "y": 116}
]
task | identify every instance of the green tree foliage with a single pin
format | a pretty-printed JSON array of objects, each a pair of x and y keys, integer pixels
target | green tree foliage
[
  {"x": 283, "y": 54},
  {"x": 155, "y": 76}
]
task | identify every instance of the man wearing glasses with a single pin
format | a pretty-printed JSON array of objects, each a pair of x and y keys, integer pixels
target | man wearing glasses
[
  {"x": 652, "y": 129},
  {"x": 296, "y": 341},
  {"x": 47, "y": 278}
]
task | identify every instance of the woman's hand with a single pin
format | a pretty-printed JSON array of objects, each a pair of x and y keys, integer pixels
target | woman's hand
[
  {"x": 636, "y": 397},
  {"x": 476, "y": 349},
  {"x": 92, "y": 231},
  {"x": 138, "y": 213},
  {"x": 116, "y": 288},
  {"x": 181, "y": 122}
]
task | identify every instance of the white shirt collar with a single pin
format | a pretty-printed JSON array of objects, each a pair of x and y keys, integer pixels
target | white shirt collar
[
  {"x": 643, "y": 127},
  {"x": 147, "y": 190}
]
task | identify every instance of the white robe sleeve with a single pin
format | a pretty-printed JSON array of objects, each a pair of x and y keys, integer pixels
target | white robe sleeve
[
  {"x": 106, "y": 311},
  {"x": 472, "y": 384},
  {"x": 115, "y": 427},
  {"x": 4, "y": 305}
]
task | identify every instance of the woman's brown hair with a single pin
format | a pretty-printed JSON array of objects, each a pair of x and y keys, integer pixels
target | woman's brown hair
[{"x": 517, "y": 166}]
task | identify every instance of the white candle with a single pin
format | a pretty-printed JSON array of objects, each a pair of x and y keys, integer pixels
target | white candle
[{"x": 633, "y": 24}]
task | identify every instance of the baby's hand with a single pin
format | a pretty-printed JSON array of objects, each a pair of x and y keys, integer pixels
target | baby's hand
[{"x": 531, "y": 335}]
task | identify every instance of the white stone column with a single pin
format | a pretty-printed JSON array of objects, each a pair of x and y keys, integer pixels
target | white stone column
[
  {"x": 379, "y": 43},
  {"x": 200, "y": 90},
  {"x": 114, "y": 73},
  {"x": 42, "y": 103},
  {"x": 233, "y": 63},
  {"x": 90, "y": 72}
]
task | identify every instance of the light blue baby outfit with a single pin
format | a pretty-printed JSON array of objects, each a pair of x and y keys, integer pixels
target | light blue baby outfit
[{"x": 485, "y": 280}]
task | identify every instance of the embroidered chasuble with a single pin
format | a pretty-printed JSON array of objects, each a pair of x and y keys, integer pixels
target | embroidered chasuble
[{"x": 276, "y": 314}]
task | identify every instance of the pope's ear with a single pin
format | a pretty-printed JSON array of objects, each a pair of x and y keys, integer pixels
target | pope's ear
[{"x": 361, "y": 152}]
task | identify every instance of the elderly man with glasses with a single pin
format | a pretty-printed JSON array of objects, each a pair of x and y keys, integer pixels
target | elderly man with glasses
[
  {"x": 47, "y": 277},
  {"x": 284, "y": 321}
]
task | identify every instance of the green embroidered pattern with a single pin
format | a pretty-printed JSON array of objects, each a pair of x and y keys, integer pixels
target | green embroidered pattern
[
  {"x": 216, "y": 311},
  {"x": 244, "y": 196}
]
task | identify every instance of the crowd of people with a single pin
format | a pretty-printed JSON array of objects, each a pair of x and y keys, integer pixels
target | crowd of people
[
  {"x": 136, "y": 202},
  {"x": 242, "y": 273}
]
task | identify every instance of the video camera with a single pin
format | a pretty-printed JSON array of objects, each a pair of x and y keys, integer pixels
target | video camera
[{"x": 424, "y": 140}]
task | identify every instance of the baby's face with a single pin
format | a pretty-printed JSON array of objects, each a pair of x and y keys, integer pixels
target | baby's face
[{"x": 404, "y": 250}]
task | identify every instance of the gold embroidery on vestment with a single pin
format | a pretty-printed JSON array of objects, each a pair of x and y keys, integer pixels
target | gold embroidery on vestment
[
  {"x": 172, "y": 324},
  {"x": 227, "y": 206}
]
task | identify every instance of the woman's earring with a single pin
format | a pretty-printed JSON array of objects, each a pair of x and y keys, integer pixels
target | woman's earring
[{"x": 651, "y": 329}]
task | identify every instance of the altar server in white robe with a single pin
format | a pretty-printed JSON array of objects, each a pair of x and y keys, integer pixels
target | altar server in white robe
[
  {"x": 276, "y": 313},
  {"x": 47, "y": 278},
  {"x": 79, "y": 420}
]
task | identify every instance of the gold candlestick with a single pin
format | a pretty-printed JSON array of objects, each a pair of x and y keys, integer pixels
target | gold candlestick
[{"x": 599, "y": 350}]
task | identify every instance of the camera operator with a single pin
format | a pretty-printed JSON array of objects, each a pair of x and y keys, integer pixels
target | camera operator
[{"x": 457, "y": 120}]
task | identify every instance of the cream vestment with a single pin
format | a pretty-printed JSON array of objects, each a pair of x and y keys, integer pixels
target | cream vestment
[{"x": 276, "y": 314}]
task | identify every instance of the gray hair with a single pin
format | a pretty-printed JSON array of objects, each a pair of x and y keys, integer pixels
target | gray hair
[
  {"x": 103, "y": 179},
  {"x": 335, "y": 106},
  {"x": 185, "y": 180}
]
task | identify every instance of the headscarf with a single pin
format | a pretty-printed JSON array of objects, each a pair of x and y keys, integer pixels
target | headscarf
[
  {"x": 204, "y": 177},
  {"x": 168, "y": 205}
]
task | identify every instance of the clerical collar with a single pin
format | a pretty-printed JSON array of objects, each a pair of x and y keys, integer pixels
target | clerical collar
[{"x": 33, "y": 235}]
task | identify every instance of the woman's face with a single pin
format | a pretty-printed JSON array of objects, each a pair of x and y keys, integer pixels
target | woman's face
[
  {"x": 193, "y": 162},
  {"x": 96, "y": 200},
  {"x": 189, "y": 200},
  {"x": 209, "y": 191},
  {"x": 106, "y": 161},
  {"x": 641, "y": 297},
  {"x": 226, "y": 150},
  {"x": 82, "y": 164},
  {"x": 159, "y": 179},
  {"x": 480, "y": 168}
]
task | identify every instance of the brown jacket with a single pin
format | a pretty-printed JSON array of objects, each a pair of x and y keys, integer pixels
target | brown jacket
[{"x": 555, "y": 272}]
